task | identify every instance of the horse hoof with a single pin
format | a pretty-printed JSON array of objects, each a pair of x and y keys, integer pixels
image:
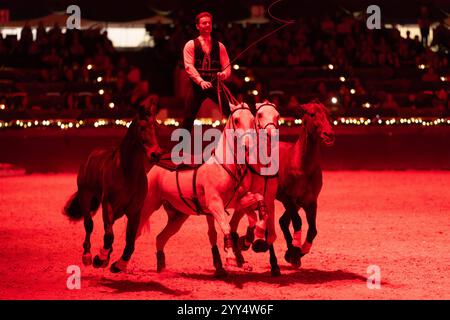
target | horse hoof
[
  {"x": 87, "y": 259},
  {"x": 242, "y": 245},
  {"x": 160, "y": 268},
  {"x": 160, "y": 261},
  {"x": 260, "y": 245},
  {"x": 297, "y": 253},
  {"x": 288, "y": 256},
  {"x": 296, "y": 263},
  {"x": 275, "y": 272},
  {"x": 115, "y": 269},
  {"x": 99, "y": 263},
  {"x": 220, "y": 273}
]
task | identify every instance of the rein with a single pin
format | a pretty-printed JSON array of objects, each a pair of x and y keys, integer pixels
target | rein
[
  {"x": 241, "y": 172},
  {"x": 238, "y": 177}
]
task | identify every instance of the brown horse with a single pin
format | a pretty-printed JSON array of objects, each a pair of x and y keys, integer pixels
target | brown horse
[
  {"x": 117, "y": 179},
  {"x": 300, "y": 178}
]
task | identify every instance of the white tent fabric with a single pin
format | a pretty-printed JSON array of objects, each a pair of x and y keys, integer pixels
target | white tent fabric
[
  {"x": 122, "y": 34},
  {"x": 61, "y": 18}
]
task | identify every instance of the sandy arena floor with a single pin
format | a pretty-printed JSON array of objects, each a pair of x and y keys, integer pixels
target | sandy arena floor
[{"x": 398, "y": 221}]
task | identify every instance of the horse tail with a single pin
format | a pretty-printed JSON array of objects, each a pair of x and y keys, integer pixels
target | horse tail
[{"x": 72, "y": 208}]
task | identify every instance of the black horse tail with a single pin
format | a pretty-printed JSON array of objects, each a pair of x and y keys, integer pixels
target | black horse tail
[{"x": 72, "y": 208}]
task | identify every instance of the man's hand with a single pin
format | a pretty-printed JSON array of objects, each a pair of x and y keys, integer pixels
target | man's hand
[
  {"x": 221, "y": 75},
  {"x": 205, "y": 85}
]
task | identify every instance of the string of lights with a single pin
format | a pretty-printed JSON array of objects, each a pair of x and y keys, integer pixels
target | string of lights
[{"x": 66, "y": 124}]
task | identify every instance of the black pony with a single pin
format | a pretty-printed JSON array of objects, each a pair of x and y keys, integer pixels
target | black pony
[{"x": 116, "y": 179}]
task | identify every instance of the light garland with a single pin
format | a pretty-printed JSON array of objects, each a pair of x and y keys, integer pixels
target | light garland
[{"x": 66, "y": 124}]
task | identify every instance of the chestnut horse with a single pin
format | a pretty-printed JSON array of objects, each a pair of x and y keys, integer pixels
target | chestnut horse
[
  {"x": 116, "y": 179},
  {"x": 300, "y": 178}
]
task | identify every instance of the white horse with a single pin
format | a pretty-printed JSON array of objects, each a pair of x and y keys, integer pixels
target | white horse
[
  {"x": 210, "y": 187},
  {"x": 261, "y": 197}
]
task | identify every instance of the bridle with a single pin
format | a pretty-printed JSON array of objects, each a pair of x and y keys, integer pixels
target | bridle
[
  {"x": 258, "y": 123},
  {"x": 241, "y": 169},
  {"x": 259, "y": 127}
]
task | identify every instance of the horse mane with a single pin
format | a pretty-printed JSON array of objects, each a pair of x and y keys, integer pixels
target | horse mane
[
  {"x": 305, "y": 138},
  {"x": 129, "y": 142}
]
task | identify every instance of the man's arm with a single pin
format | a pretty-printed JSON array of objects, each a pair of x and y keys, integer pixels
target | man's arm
[
  {"x": 224, "y": 62},
  {"x": 189, "y": 62}
]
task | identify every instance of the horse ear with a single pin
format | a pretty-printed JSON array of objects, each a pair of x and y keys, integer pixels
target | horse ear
[
  {"x": 265, "y": 102},
  {"x": 301, "y": 110},
  {"x": 233, "y": 106}
]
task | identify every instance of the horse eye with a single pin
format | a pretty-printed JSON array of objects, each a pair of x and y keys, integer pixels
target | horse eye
[
  {"x": 259, "y": 115},
  {"x": 312, "y": 115},
  {"x": 236, "y": 121}
]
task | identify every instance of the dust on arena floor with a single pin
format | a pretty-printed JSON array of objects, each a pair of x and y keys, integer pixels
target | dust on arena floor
[{"x": 397, "y": 220}]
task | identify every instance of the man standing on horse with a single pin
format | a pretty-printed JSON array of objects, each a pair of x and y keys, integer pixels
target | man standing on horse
[{"x": 205, "y": 59}]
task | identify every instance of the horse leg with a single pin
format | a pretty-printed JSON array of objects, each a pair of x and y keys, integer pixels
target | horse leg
[
  {"x": 260, "y": 244},
  {"x": 285, "y": 221},
  {"x": 102, "y": 259},
  {"x": 274, "y": 268},
  {"x": 215, "y": 205},
  {"x": 297, "y": 237},
  {"x": 271, "y": 237},
  {"x": 244, "y": 242},
  {"x": 174, "y": 223},
  {"x": 293, "y": 252},
  {"x": 132, "y": 226},
  {"x": 85, "y": 200},
  {"x": 311, "y": 214},
  {"x": 217, "y": 260},
  {"x": 234, "y": 222}
]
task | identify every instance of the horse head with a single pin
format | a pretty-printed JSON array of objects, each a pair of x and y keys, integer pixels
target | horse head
[
  {"x": 146, "y": 122},
  {"x": 267, "y": 120},
  {"x": 242, "y": 123},
  {"x": 316, "y": 119},
  {"x": 267, "y": 117}
]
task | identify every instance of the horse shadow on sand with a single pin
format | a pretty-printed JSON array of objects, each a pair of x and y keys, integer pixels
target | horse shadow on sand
[
  {"x": 301, "y": 276},
  {"x": 123, "y": 286}
]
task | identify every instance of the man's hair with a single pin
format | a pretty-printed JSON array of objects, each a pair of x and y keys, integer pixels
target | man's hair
[{"x": 201, "y": 15}]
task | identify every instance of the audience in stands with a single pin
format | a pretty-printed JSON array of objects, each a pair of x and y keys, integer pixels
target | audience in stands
[{"x": 87, "y": 62}]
